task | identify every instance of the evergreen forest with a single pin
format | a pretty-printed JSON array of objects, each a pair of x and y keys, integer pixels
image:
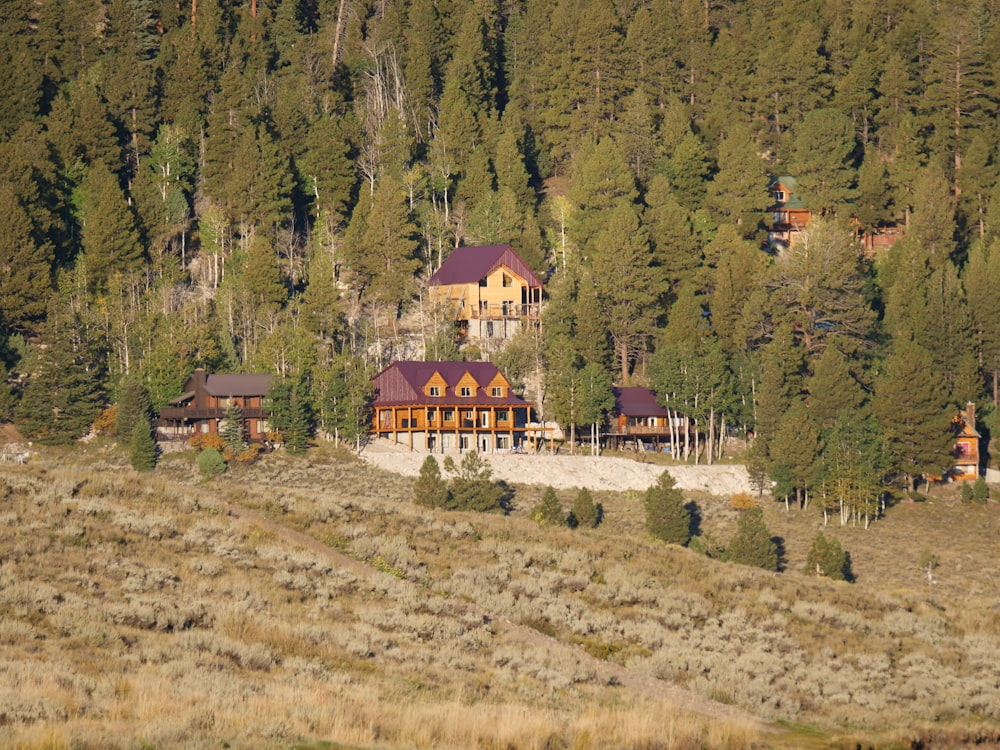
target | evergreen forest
[{"x": 266, "y": 186}]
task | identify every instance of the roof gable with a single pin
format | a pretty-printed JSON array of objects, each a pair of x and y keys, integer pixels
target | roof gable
[
  {"x": 407, "y": 381},
  {"x": 468, "y": 265},
  {"x": 638, "y": 402}
]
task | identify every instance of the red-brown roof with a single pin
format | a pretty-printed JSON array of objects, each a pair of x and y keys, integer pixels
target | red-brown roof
[
  {"x": 468, "y": 265},
  {"x": 402, "y": 384},
  {"x": 638, "y": 402}
]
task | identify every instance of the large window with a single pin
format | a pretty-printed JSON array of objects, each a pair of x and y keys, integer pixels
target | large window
[
  {"x": 434, "y": 390},
  {"x": 496, "y": 391},
  {"x": 465, "y": 391}
]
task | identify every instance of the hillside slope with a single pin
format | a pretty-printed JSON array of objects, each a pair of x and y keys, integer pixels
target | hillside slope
[{"x": 308, "y": 599}]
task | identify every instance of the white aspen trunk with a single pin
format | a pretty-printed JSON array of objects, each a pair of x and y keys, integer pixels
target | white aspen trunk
[
  {"x": 805, "y": 498},
  {"x": 687, "y": 439},
  {"x": 697, "y": 443},
  {"x": 722, "y": 434},
  {"x": 711, "y": 436}
]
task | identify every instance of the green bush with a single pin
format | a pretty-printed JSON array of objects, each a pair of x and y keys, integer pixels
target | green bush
[
  {"x": 143, "y": 450},
  {"x": 827, "y": 558},
  {"x": 585, "y": 514},
  {"x": 211, "y": 463},
  {"x": 430, "y": 490},
  {"x": 980, "y": 490},
  {"x": 666, "y": 516},
  {"x": 752, "y": 543},
  {"x": 472, "y": 487},
  {"x": 548, "y": 511}
]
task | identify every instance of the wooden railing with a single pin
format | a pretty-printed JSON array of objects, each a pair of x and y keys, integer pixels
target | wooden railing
[
  {"x": 511, "y": 311},
  {"x": 641, "y": 429},
  {"x": 190, "y": 412}
]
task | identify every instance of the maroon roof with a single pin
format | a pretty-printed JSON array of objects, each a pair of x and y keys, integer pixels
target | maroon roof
[
  {"x": 402, "y": 384},
  {"x": 468, "y": 265},
  {"x": 237, "y": 385},
  {"x": 638, "y": 402}
]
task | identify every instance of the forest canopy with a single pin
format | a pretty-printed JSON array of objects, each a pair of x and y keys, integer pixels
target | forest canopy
[{"x": 264, "y": 186}]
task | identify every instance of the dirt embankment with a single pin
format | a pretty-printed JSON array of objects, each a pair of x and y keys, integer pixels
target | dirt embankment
[{"x": 565, "y": 471}]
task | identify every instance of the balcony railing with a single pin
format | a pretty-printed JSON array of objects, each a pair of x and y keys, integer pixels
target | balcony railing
[
  {"x": 190, "y": 412},
  {"x": 487, "y": 311}
]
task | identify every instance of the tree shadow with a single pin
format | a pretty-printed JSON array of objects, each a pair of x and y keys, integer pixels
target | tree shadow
[
  {"x": 779, "y": 548},
  {"x": 848, "y": 573},
  {"x": 694, "y": 524},
  {"x": 505, "y": 498}
]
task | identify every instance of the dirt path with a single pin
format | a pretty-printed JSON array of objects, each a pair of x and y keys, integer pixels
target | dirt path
[{"x": 609, "y": 673}]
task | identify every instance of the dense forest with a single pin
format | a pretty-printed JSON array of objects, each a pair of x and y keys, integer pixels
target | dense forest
[{"x": 265, "y": 186}]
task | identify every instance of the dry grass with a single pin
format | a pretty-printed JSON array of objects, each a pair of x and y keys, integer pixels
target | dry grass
[{"x": 140, "y": 612}]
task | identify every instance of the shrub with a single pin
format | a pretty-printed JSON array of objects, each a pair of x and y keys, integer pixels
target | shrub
[
  {"x": 143, "y": 450},
  {"x": 430, "y": 490},
  {"x": 472, "y": 487},
  {"x": 204, "y": 440},
  {"x": 548, "y": 511},
  {"x": 742, "y": 501},
  {"x": 666, "y": 516},
  {"x": 752, "y": 543},
  {"x": 965, "y": 492},
  {"x": 211, "y": 463},
  {"x": 585, "y": 513},
  {"x": 827, "y": 558},
  {"x": 980, "y": 490}
]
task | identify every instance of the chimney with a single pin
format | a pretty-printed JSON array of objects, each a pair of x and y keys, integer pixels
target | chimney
[{"x": 970, "y": 415}]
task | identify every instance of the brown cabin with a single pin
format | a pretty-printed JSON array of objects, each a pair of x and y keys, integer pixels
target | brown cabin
[
  {"x": 966, "y": 452},
  {"x": 451, "y": 406},
  {"x": 202, "y": 406},
  {"x": 638, "y": 418},
  {"x": 789, "y": 215},
  {"x": 490, "y": 291}
]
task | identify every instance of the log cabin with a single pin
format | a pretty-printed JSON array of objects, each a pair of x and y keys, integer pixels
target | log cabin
[
  {"x": 966, "y": 452},
  {"x": 638, "y": 418},
  {"x": 789, "y": 215},
  {"x": 206, "y": 398},
  {"x": 451, "y": 406},
  {"x": 489, "y": 290}
]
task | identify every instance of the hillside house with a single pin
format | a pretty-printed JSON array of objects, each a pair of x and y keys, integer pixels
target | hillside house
[
  {"x": 202, "y": 406},
  {"x": 450, "y": 406},
  {"x": 966, "y": 451},
  {"x": 490, "y": 291},
  {"x": 789, "y": 215},
  {"x": 638, "y": 418}
]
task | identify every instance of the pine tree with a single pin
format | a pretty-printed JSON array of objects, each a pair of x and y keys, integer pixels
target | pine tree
[
  {"x": 232, "y": 429},
  {"x": 667, "y": 517},
  {"x": 143, "y": 450},
  {"x": 133, "y": 407},
  {"x": 110, "y": 238},
  {"x": 25, "y": 264},
  {"x": 832, "y": 388},
  {"x": 827, "y": 558},
  {"x": 822, "y": 160},
  {"x": 548, "y": 511},
  {"x": 430, "y": 489},
  {"x": 910, "y": 403},
  {"x": 472, "y": 485},
  {"x": 585, "y": 514},
  {"x": 752, "y": 543},
  {"x": 211, "y": 463},
  {"x": 64, "y": 393}
]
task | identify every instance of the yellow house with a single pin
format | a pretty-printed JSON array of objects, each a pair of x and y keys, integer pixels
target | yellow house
[{"x": 490, "y": 290}]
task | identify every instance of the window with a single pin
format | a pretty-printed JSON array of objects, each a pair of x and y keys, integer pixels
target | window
[
  {"x": 465, "y": 391},
  {"x": 434, "y": 390},
  {"x": 463, "y": 442},
  {"x": 489, "y": 329},
  {"x": 449, "y": 415},
  {"x": 496, "y": 391},
  {"x": 503, "y": 416},
  {"x": 507, "y": 280},
  {"x": 432, "y": 416},
  {"x": 482, "y": 281},
  {"x": 503, "y": 442},
  {"x": 485, "y": 419},
  {"x": 405, "y": 422},
  {"x": 779, "y": 195}
]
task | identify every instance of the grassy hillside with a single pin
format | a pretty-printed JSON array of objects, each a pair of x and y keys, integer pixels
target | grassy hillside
[{"x": 307, "y": 601}]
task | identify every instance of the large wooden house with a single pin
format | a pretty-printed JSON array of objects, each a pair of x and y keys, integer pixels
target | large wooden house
[
  {"x": 789, "y": 215},
  {"x": 205, "y": 401},
  {"x": 966, "y": 451},
  {"x": 490, "y": 291},
  {"x": 637, "y": 418},
  {"x": 450, "y": 406}
]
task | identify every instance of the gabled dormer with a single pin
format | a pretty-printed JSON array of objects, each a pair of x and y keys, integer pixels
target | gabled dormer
[
  {"x": 466, "y": 387},
  {"x": 498, "y": 387},
  {"x": 436, "y": 386}
]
